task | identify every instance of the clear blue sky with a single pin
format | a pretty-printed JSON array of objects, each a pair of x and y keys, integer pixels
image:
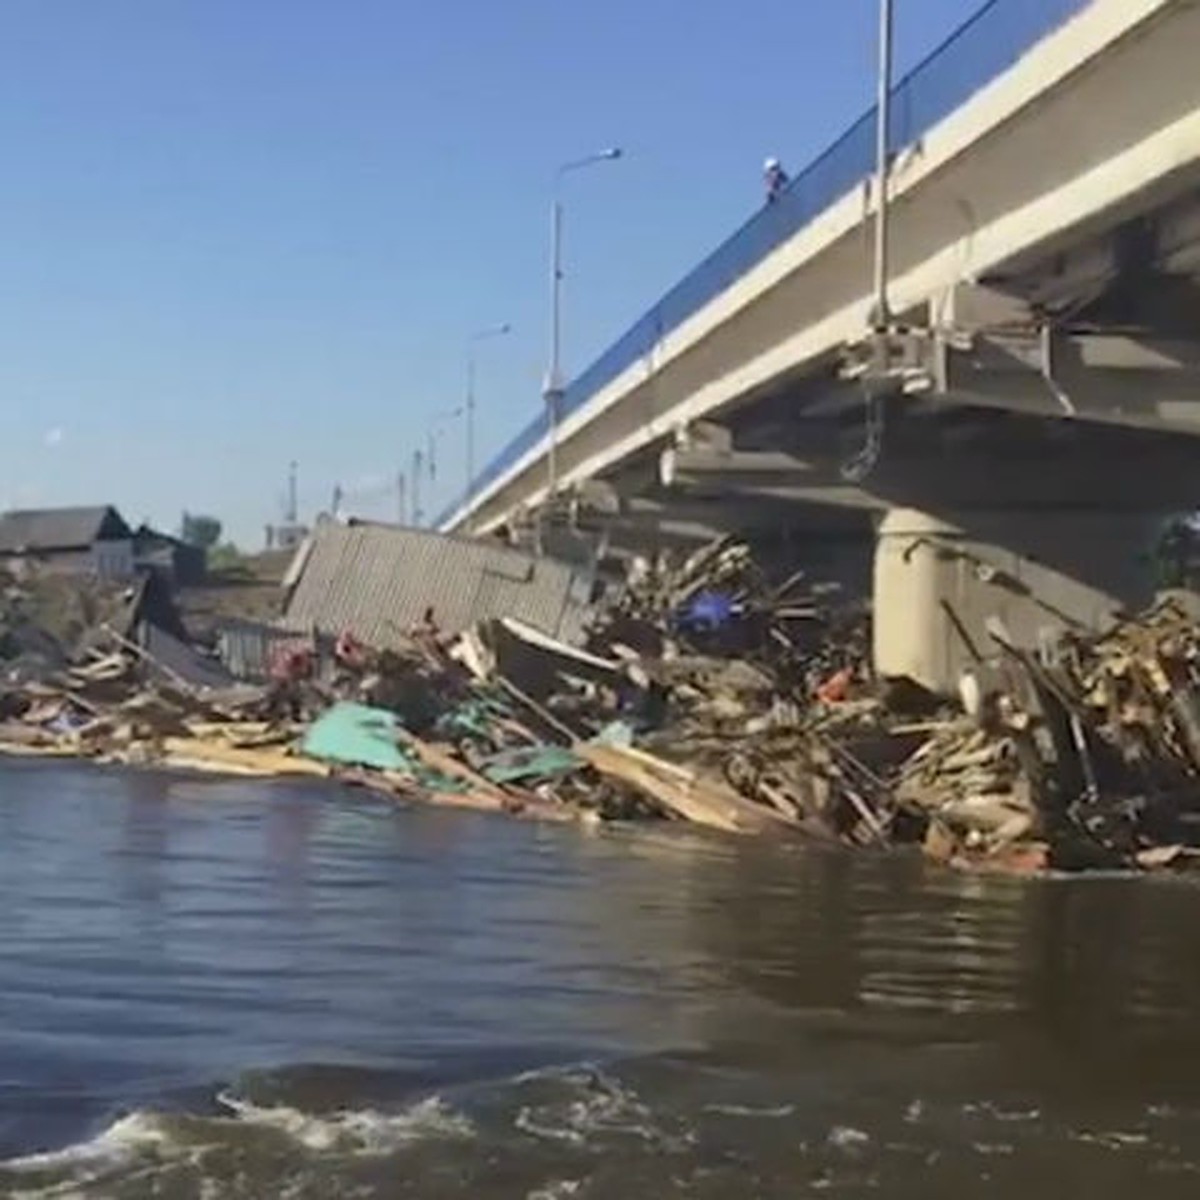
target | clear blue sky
[{"x": 236, "y": 232}]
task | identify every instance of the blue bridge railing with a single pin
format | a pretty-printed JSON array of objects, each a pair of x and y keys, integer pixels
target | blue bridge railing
[{"x": 980, "y": 50}]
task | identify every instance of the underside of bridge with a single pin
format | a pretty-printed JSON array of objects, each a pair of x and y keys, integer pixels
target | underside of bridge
[{"x": 1008, "y": 452}]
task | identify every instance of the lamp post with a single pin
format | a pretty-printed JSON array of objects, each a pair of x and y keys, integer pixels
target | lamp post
[
  {"x": 429, "y": 458},
  {"x": 878, "y": 379},
  {"x": 480, "y": 335},
  {"x": 553, "y": 390},
  {"x": 418, "y": 462},
  {"x": 883, "y": 113}
]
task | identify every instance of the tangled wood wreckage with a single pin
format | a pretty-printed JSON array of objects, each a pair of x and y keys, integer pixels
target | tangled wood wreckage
[{"x": 706, "y": 690}]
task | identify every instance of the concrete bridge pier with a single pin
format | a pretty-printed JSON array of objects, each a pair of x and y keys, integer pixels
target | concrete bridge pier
[{"x": 940, "y": 577}]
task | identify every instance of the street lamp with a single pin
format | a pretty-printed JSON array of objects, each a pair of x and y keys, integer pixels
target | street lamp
[
  {"x": 881, "y": 317},
  {"x": 876, "y": 383},
  {"x": 553, "y": 390},
  {"x": 481, "y": 335},
  {"x": 429, "y": 459}
]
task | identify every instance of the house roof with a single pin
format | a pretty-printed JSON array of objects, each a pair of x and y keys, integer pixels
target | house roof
[
  {"x": 35, "y": 529},
  {"x": 145, "y": 535},
  {"x": 376, "y": 581},
  {"x": 175, "y": 660}
]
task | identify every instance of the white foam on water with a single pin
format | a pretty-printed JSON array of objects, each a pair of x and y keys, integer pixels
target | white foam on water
[
  {"x": 986, "y": 1108},
  {"x": 1115, "y": 1139},
  {"x": 776, "y": 1113},
  {"x": 118, "y": 1142},
  {"x": 67, "y": 1191},
  {"x": 560, "y": 1189},
  {"x": 88, "y": 1163},
  {"x": 597, "y": 1106},
  {"x": 527, "y": 1122},
  {"x": 847, "y": 1138},
  {"x": 355, "y": 1131},
  {"x": 145, "y": 1140}
]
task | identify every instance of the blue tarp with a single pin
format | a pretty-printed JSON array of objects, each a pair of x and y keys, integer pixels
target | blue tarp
[{"x": 708, "y": 610}]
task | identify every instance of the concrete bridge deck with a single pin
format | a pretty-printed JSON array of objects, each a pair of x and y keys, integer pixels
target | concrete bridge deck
[
  {"x": 1006, "y": 449},
  {"x": 1050, "y": 150}
]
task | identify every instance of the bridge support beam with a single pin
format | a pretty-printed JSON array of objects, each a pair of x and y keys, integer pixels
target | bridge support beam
[
  {"x": 988, "y": 349},
  {"x": 941, "y": 577},
  {"x": 1124, "y": 378}
]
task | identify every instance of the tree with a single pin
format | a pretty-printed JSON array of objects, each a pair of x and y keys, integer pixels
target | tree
[
  {"x": 199, "y": 530},
  {"x": 226, "y": 559}
]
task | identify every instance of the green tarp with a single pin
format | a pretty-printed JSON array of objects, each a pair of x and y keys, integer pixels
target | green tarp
[
  {"x": 358, "y": 736},
  {"x": 530, "y": 763}
]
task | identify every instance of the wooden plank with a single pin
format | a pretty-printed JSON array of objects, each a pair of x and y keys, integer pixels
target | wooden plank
[
  {"x": 206, "y": 754},
  {"x": 444, "y": 763},
  {"x": 704, "y": 801}
]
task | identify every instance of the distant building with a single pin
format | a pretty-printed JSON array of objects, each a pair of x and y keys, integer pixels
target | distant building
[
  {"x": 289, "y": 536},
  {"x": 85, "y": 541},
  {"x": 175, "y": 561},
  {"x": 56, "y": 616}
]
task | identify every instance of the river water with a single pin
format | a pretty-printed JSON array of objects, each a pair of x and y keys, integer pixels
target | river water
[{"x": 232, "y": 990}]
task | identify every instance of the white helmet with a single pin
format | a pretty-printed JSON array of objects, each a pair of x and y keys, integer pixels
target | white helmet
[{"x": 771, "y": 164}]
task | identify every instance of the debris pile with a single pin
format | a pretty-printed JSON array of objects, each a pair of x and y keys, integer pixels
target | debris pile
[
  {"x": 1088, "y": 761},
  {"x": 721, "y": 605},
  {"x": 705, "y": 692},
  {"x": 711, "y": 689}
]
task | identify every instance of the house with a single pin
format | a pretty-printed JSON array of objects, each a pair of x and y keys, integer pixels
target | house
[
  {"x": 81, "y": 541},
  {"x": 177, "y": 562},
  {"x": 57, "y": 615}
]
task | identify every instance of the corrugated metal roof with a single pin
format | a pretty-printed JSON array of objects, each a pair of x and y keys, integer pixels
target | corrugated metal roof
[
  {"x": 377, "y": 581},
  {"x": 59, "y": 528},
  {"x": 248, "y": 648},
  {"x": 178, "y": 660}
]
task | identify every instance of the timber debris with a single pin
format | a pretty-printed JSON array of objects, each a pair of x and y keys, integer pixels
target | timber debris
[{"x": 705, "y": 691}]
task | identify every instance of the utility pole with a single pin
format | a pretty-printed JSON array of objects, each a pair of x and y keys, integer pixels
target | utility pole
[
  {"x": 293, "y": 506},
  {"x": 469, "y": 422},
  {"x": 469, "y": 407},
  {"x": 401, "y": 499},
  {"x": 417, "y": 467},
  {"x": 554, "y": 380}
]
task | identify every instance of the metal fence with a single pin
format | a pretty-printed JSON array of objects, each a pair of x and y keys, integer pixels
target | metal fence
[
  {"x": 979, "y": 51},
  {"x": 249, "y": 649}
]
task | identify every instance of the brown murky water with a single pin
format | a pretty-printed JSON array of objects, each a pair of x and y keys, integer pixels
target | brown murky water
[{"x": 230, "y": 990}]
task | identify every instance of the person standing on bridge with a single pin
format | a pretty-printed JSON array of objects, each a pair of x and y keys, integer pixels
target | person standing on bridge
[{"x": 775, "y": 178}]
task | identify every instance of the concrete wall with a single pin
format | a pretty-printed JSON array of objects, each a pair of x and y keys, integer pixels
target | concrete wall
[{"x": 1037, "y": 570}]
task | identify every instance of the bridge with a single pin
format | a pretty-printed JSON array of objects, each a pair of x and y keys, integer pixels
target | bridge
[{"x": 1004, "y": 443}]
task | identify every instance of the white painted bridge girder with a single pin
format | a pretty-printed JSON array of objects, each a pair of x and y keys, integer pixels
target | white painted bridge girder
[{"x": 1098, "y": 122}]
